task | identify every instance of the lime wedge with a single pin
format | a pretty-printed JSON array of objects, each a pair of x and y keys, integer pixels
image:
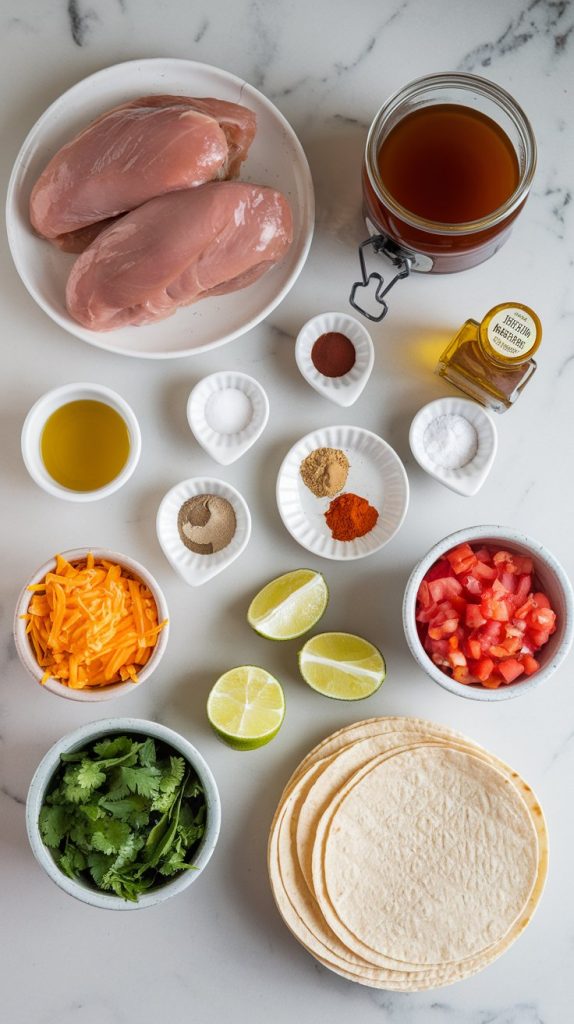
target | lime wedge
[
  {"x": 246, "y": 707},
  {"x": 289, "y": 606},
  {"x": 342, "y": 666}
]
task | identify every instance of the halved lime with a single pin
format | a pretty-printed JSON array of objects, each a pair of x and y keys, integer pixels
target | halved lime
[
  {"x": 289, "y": 606},
  {"x": 246, "y": 707},
  {"x": 342, "y": 666}
]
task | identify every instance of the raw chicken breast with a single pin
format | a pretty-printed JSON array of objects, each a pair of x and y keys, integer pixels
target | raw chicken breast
[
  {"x": 177, "y": 249},
  {"x": 137, "y": 151}
]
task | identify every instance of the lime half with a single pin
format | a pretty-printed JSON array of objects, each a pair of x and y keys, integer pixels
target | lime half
[
  {"x": 246, "y": 707},
  {"x": 289, "y": 606},
  {"x": 342, "y": 666}
]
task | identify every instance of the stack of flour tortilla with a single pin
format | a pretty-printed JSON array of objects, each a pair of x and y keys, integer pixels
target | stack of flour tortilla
[{"x": 404, "y": 856}]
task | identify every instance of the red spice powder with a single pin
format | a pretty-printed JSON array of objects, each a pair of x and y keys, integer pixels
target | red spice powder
[
  {"x": 333, "y": 354},
  {"x": 350, "y": 516}
]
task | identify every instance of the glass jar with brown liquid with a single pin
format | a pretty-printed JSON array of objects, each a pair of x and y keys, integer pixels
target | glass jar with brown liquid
[{"x": 448, "y": 165}]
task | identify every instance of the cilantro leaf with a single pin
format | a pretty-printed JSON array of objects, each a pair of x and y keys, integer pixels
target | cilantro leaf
[
  {"x": 54, "y": 822},
  {"x": 89, "y": 776},
  {"x": 147, "y": 753},
  {"x": 72, "y": 861},
  {"x": 110, "y": 835},
  {"x": 144, "y": 781},
  {"x": 120, "y": 746}
]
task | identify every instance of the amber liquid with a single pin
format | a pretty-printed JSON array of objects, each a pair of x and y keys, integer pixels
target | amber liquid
[{"x": 449, "y": 164}]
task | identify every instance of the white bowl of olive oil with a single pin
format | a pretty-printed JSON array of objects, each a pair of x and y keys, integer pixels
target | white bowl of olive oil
[{"x": 81, "y": 442}]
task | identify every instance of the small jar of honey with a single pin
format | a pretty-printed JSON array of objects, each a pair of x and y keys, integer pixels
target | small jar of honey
[
  {"x": 448, "y": 164},
  {"x": 492, "y": 361}
]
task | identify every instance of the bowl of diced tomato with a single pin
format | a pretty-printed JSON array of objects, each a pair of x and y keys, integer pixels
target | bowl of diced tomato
[{"x": 489, "y": 613}]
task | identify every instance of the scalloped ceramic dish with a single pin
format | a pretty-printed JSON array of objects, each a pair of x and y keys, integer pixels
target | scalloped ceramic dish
[
  {"x": 376, "y": 473},
  {"x": 195, "y": 570},
  {"x": 225, "y": 448},
  {"x": 468, "y": 479},
  {"x": 276, "y": 158},
  {"x": 343, "y": 390}
]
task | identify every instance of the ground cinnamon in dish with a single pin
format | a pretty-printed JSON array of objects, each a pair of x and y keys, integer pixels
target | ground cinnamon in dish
[
  {"x": 333, "y": 354},
  {"x": 350, "y": 516}
]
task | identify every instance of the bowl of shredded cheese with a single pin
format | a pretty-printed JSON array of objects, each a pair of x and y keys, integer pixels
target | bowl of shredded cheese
[{"x": 91, "y": 624}]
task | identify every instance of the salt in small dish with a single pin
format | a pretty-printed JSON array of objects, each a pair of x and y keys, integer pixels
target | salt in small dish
[
  {"x": 344, "y": 390},
  {"x": 196, "y": 569},
  {"x": 37, "y": 418},
  {"x": 227, "y": 412},
  {"x": 466, "y": 479}
]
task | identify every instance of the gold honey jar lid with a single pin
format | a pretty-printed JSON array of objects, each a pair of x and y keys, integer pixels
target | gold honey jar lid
[{"x": 510, "y": 333}]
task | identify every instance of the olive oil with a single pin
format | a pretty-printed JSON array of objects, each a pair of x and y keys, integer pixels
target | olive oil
[{"x": 85, "y": 445}]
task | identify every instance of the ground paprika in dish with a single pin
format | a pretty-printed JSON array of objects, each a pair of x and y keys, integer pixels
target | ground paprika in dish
[
  {"x": 350, "y": 516},
  {"x": 333, "y": 354}
]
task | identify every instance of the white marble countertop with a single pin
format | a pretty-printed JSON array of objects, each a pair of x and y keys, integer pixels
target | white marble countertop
[{"x": 220, "y": 952}]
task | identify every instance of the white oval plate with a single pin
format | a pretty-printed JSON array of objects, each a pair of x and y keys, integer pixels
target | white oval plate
[
  {"x": 276, "y": 158},
  {"x": 196, "y": 570},
  {"x": 376, "y": 473},
  {"x": 227, "y": 448}
]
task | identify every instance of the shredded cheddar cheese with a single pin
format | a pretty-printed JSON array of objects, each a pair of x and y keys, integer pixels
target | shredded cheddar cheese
[{"x": 91, "y": 623}]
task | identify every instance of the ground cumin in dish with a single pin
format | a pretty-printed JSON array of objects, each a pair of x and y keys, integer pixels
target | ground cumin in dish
[{"x": 325, "y": 471}]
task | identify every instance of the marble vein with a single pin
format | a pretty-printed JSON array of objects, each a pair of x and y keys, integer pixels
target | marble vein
[{"x": 546, "y": 18}]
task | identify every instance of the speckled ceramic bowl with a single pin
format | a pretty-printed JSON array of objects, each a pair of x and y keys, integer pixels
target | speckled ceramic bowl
[
  {"x": 91, "y": 694},
  {"x": 75, "y": 741},
  {"x": 553, "y": 581}
]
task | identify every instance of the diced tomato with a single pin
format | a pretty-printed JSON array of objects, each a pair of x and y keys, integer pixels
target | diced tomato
[
  {"x": 523, "y": 588},
  {"x": 457, "y": 659},
  {"x": 462, "y": 558},
  {"x": 482, "y": 668},
  {"x": 479, "y": 618},
  {"x": 530, "y": 664},
  {"x": 473, "y": 616},
  {"x": 439, "y": 570},
  {"x": 510, "y": 669}
]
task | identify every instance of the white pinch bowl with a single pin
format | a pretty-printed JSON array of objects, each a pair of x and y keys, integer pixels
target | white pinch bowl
[
  {"x": 33, "y": 427},
  {"x": 551, "y": 578},
  {"x": 468, "y": 479},
  {"x": 343, "y": 390},
  {"x": 195, "y": 570},
  {"x": 75, "y": 741},
  {"x": 276, "y": 158},
  {"x": 92, "y": 694},
  {"x": 227, "y": 448},
  {"x": 375, "y": 473}
]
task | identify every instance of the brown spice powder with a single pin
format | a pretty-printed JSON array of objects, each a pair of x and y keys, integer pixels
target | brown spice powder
[{"x": 325, "y": 471}]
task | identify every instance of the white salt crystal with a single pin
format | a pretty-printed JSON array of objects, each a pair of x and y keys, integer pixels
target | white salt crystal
[
  {"x": 450, "y": 441},
  {"x": 228, "y": 411}
]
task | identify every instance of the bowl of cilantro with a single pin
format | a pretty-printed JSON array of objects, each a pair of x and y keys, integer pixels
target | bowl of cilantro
[{"x": 123, "y": 813}]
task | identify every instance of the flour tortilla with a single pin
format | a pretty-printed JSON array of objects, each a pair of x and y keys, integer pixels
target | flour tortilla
[
  {"x": 302, "y": 916},
  {"x": 429, "y": 857}
]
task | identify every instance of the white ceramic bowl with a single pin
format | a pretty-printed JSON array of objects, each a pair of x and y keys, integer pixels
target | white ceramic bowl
[
  {"x": 75, "y": 741},
  {"x": 43, "y": 409},
  {"x": 375, "y": 473},
  {"x": 225, "y": 448},
  {"x": 96, "y": 693},
  {"x": 276, "y": 158},
  {"x": 552, "y": 580},
  {"x": 468, "y": 479},
  {"x": 194, "y": 569},
  {"x": 343, "y": 390}
]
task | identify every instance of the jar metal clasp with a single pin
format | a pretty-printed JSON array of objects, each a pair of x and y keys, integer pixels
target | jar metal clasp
[{"x": 382, "y": 245}]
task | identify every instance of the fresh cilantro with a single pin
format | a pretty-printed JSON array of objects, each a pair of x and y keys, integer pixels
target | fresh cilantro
[{"x": 124, "y": 815}]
